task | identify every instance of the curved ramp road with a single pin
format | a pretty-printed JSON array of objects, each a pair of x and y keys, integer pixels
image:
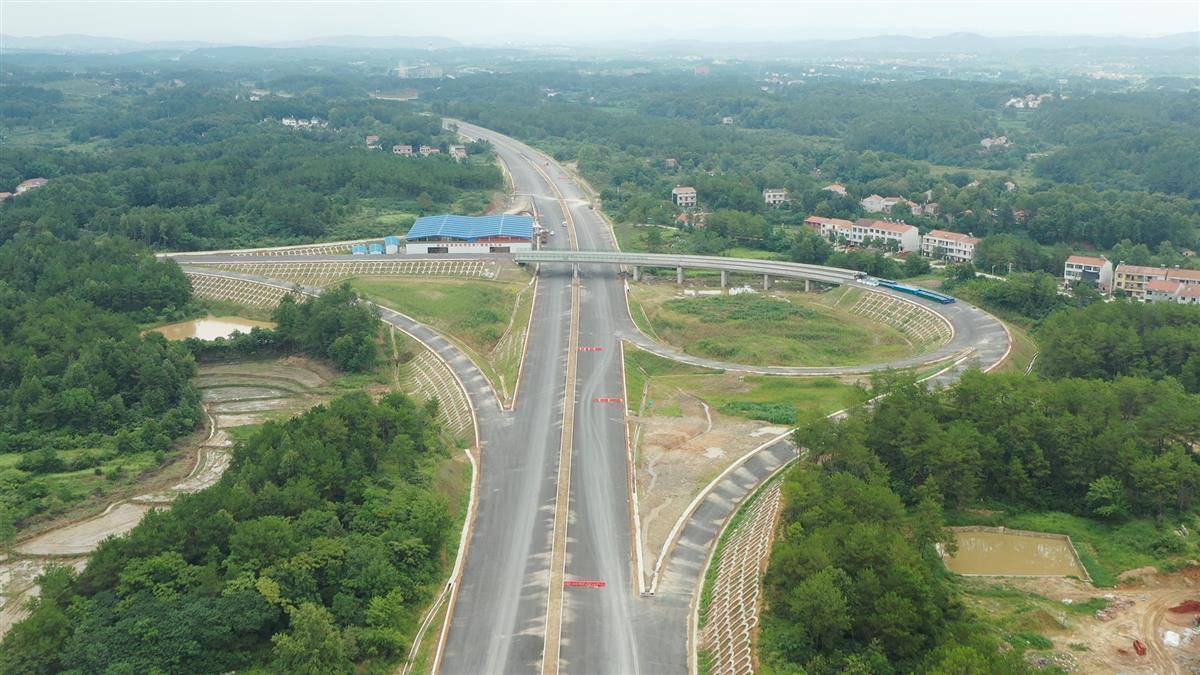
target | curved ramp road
[{"x": 552, "y": 579}]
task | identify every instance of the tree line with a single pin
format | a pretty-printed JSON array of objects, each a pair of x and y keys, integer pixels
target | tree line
[{"x": 313, "y": 553}]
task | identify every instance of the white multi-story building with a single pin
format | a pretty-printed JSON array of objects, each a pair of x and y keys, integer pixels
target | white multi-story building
[
  {"x": 402, "y": 150},
  {"x": 775, "y": 196},
  {"x": 684, "y": 196},
  {"x": 832, "y": 229},
  {"x": 906, "y": 237},
  {"x": 1097, "y": 271},
  {"x": 952, "y": 246}
]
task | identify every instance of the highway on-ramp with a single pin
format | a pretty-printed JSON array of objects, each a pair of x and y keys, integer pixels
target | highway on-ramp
[{"x": 552, "y": 579}]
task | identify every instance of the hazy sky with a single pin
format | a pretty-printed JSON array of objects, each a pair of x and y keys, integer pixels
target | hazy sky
[{"x": 256, "y": 22}]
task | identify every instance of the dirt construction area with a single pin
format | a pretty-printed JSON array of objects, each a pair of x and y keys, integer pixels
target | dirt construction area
[
  {"x": 678, "y": 453},
  {"x": 234, "y": 394},
  {"x": 1148, "y": 624}
]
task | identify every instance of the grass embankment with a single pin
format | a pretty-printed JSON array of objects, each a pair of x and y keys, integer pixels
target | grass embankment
[
  {"x": 770, "y": 398},
  {"x": 1024, "y": 349},
  {"x": 487, "y": 319},
  {"x": 1105, "y": 549},
  {"x": 776, "y": 329}
]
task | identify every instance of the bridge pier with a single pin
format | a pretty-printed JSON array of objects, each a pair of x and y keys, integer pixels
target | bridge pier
[
  {"x": 767, "y": 282},
  {"x": 807, "y": 285},
  {"x": 679, "y": 275},
  {"x": 637, "y": 272},
  {"x": 724, "y": 279}
]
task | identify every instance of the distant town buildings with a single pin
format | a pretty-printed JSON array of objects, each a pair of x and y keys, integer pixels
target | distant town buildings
[
  {"x": 701, "y": 70},
  {"x": 775, "y": 196},
  {"x": 402, "y": 150},
  {"x": 299, "y": 123},
  {"x": 670, "y": 163},
  {"x": 458, "y": 152},
  {"x": 372, "y": 142},
  {"x": 1027, "y": 101},
  {"x": 836, "y": 187},
  {"x": 427, "y": 150},
  {"x": 684, "y": 196},
  {"x": 727, "y": 120},
  {"x": 997, "y": 142},
  {"x": 27, "y": 185},
  {"x": 954, "y": 247}
]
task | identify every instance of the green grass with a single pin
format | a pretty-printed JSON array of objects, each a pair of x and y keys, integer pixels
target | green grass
[
  {"x": 1024, "y": 349},
  {"x": 487, "y": 319},
  {"x": 780, "y": 329},
  {"x": 641, "y": 365},
  {"x": 1105, "y": 549},
  {"x": 755, "y": 253}
]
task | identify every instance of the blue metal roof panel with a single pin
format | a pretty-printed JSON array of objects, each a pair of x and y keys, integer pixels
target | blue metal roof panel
[
  {"x": 471, "y": 227},
  {"x": 391, "y": 240}
]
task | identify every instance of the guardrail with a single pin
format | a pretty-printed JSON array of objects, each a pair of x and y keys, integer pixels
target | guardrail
[{"x": 769, "y": 268}]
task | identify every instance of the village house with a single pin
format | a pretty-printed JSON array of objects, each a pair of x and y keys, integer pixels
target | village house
[
  {"x": 373, "y": 142},
  {"x": 427, "y": 150},
  {"x": 684, "y": 196},
  {"x": 670, "y": 163},
  {"x": 836, "y": 187},
  {"x": 458, "y": 152},
  {"x": 905, "y": 237},
  {"x": 1097, "y": 272},
  {"x": 1134, "y": 279},
  {"x": 878, "y": 204},
  {"x": 832, "y": 229},
  {"x": 954, "y": 247},
  {"x": 1172, "y": 290},
  {"x": 775, "y": 196},
  {"x": 402, "y": 150}
]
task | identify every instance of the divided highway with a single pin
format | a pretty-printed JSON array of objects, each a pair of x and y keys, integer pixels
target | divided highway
[{"x": 553, "y": 498}]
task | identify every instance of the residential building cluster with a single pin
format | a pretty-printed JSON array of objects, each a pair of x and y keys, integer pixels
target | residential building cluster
[
  {"x": 300, "y": 123},
  {"x": 902, "y": 236},
  {"x": 458, "y": 152},
  {"x": 1027, "y": 101},
  {"x": 1140, "y": 282}
]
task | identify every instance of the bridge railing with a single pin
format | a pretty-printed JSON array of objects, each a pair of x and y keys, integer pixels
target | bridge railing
[{"x": 772, "y": 268}]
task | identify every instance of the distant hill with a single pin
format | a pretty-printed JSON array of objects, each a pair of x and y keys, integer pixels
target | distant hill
[
  {"x": 88, "y": 44},
  {"x": 374, "y": 42}
]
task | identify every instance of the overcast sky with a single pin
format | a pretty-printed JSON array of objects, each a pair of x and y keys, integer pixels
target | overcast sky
[{"x": 256, "y": 22}]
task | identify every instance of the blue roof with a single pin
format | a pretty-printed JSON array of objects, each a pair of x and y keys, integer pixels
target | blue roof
[
  {"x": 470, "y": 228},
  {"x": 391, "y": 240}
]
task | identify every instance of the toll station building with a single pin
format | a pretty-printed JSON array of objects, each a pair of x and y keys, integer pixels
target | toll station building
[{"x": 470, "y": 234}]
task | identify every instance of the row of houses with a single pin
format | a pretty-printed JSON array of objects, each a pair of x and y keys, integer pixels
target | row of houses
[
  {"x": 949, "y": 246},
  {"x": 458, "y": 152},
  {"x": 1140, "y": 282}
]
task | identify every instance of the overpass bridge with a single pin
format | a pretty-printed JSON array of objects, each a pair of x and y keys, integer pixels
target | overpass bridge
[{"x": 769, "y": 269}]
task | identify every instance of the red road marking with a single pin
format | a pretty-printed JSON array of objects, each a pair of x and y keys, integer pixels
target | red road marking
[
  {"x": 586, "y": 583},
  {"x": 591, "y": 349},
  {"x": 608, "y": 399}
]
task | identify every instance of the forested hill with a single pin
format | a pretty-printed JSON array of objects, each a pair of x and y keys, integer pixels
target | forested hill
[
  {"x": 202, "y": 167},
  {"x": 315, "y": 550}
]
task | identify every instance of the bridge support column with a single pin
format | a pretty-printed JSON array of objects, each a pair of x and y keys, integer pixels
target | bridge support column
[
  {"x": 724, "y": 279},
  {"x": 767, "y": 281},
  {"x": 637, "y": 272},
  {"x": 679, "y": 275},
  {"x": 807, "y": 286}
]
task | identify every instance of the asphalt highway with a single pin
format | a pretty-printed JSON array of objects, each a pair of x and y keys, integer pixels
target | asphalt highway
[{"x": 509, "y": 615}]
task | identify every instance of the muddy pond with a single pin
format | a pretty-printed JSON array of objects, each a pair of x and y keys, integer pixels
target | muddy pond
[
  {"x": 210, "y": 327},
  {"x": 1000, "y": 552}
]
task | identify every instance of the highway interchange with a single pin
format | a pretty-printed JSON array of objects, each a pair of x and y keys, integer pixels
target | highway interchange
[{"x": 554, "y": 494}]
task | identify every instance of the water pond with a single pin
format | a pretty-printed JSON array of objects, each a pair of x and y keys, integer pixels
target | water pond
[
  {"x": 1001, "y": 552},
  {"x": 210, "y": 327}
]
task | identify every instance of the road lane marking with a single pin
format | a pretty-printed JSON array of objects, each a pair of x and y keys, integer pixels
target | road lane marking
[{"x": 584, "y": 583}]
